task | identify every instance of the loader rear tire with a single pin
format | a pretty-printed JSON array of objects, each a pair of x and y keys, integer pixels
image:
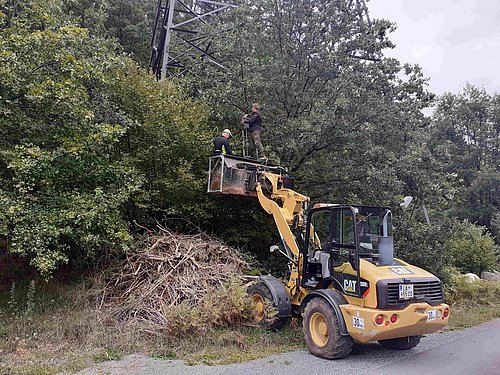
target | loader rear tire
[
  {"x": 401, "y": 343},
  {"x": 265, "y": 311},
  {"x": 322, "y": 333}
]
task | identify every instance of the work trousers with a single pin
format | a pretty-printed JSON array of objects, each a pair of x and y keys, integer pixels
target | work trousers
[{"x": 256, "y": 148}]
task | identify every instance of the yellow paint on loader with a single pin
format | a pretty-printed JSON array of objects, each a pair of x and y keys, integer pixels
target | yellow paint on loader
[{"x": 360, "y": 314}]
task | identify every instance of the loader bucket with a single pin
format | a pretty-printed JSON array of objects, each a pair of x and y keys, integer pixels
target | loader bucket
[{"x": 233, "y": 175}]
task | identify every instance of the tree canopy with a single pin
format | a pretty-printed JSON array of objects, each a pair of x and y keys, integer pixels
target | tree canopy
[
  {"x": 89, "y": 142},
  {"x": 93, "y": 148},
  {"x": 466, "y": 141},
  {"x": 346, "y": 120}
]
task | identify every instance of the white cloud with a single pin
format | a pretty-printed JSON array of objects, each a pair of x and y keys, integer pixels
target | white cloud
[
  {"x": 454, "y": 41},
  {"x": 420, "y": 51},
  {"x": 478, "y": 47}
]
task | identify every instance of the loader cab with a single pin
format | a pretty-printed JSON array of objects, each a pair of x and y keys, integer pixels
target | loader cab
[{"x": 339, "y": 236}]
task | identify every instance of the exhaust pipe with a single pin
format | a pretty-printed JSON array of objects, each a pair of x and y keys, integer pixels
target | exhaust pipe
[{"x": 386, "y": 243}]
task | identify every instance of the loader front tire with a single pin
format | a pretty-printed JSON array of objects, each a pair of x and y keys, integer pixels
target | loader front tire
[
  {"x": 401, "y": 343},
  {"x": 265, "y": 312},
  {"x": 322, "y": 333}
]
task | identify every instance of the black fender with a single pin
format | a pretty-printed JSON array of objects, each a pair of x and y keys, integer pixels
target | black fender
[
  {"x": 335, "y": 299},
  {"x": 280, "y": 296}
]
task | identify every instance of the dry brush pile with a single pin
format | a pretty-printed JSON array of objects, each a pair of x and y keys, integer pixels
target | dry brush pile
[{"x": 178, "y": 283}]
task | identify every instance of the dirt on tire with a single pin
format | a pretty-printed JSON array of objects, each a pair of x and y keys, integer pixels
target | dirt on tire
[
  {"x": 269, "y": 319},
  {"x": 336, "y": 345}
]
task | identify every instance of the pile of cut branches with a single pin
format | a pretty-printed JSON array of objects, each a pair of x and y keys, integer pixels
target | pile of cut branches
[{"x": 171, "y": 273}]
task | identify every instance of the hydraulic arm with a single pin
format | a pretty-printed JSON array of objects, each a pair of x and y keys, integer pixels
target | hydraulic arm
[{"x": 271, "y": 185}]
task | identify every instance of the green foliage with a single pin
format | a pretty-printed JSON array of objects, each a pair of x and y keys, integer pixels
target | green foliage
[
  {"x": 82, "y": 129},
  {"x": 424, "y": 245},
  {"x": 21, "y": 301},
  {"x": 168, "y": 145},
  {"x": 472, "y": 303},
  {"x": 243, "y": 224},
  {"x": 224, "y": 307},
  {"x": 90, "y": 144},
  {"x": 472, "y": 249},
  {"x": 30, "y": 298},
  {"x": 64, "y": 188},
  {"x": 344, "y": 119},
  {"x": 108, "y": 354},
  {"x": 446, "y": 245},
  {"x": 350, "y": 129},
  {"x": 129, "y": 22},
  {"x": 462, "y": 291},
  {"x": 12, "y": 303},
  {"x": 464, "y": 152},
  {"x": 495, "y": 226},
  {"x": 465, "y": 141}
]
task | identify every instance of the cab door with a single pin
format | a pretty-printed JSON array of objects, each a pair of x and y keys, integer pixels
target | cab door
[{"x": 332, "y": 235}]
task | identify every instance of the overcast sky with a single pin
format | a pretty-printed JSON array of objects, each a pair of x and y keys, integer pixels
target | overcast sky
[{"x": 454, "y": 41}]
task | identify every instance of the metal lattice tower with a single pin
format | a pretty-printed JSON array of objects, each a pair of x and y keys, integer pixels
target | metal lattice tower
[
  {"x": 176, "y": 38},
  {"x": 363, "y": 11}
]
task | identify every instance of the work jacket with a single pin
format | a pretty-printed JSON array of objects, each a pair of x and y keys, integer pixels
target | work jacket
[
  {"x": 254, "y": 121},
  {"x": 219, "y": 142}
]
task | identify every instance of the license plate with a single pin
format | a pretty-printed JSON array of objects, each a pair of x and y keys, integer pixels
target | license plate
[
  {"x": 431, "y": 315},
  {"x": 405, "y": 291},
  {"x": 358, "y": 322}
]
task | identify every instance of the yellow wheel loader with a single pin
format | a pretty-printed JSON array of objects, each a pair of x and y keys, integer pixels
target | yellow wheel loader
[{"x": 344, "y": 280}]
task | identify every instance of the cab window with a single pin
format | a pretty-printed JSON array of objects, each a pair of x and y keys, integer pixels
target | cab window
[
  {"x": 321, "y": 226},
  {"x": 343, "y": 227}
]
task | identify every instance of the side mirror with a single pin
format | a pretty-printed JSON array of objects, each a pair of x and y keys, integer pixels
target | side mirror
[
  {"x": 274, "y": 248},
  {"x": 406, "y": 202}
]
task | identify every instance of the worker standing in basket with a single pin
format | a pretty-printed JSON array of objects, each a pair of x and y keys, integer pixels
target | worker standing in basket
[
  {"x": 222, "y": 141},
  {"x": 254, "y": 123}
]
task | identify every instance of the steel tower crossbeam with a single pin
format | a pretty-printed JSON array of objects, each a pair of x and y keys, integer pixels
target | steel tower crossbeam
[{"x": 182, "y": 22}]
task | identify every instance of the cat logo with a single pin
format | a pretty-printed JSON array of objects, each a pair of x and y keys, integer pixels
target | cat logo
[{"x": 350, "y": 286}]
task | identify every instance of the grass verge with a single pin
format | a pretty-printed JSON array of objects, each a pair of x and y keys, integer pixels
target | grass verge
[
  {"x": 58, "y": 329},
  {"x": 55, "y": 328},
  {"x": 472, "y": 303}
]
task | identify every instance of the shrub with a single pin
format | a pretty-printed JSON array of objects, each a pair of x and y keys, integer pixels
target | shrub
[
  {"x": 446, "y": 244},
  {"x": 471, "y": 249},
  {"x": 495, "y": 226},
  {"x": 459, "y": 290},
  {"x": 87, "y": 141},
  {"x": 424, "y": 245},
  {"x": 222, "y": 308}
]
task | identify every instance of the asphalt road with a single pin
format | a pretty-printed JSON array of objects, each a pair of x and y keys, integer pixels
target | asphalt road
[{"x": 475, "y": 351}]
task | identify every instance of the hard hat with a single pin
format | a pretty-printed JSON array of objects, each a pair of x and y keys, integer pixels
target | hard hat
[{"x": 227, "y": 131}]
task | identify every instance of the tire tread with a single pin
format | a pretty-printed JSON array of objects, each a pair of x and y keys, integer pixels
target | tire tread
[{"x": 338, "y": 346}]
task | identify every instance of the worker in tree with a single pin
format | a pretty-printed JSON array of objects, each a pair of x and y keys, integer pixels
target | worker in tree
[
  {"x": 222, "y": 141},
  {"x": 254, "y": 123}
]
